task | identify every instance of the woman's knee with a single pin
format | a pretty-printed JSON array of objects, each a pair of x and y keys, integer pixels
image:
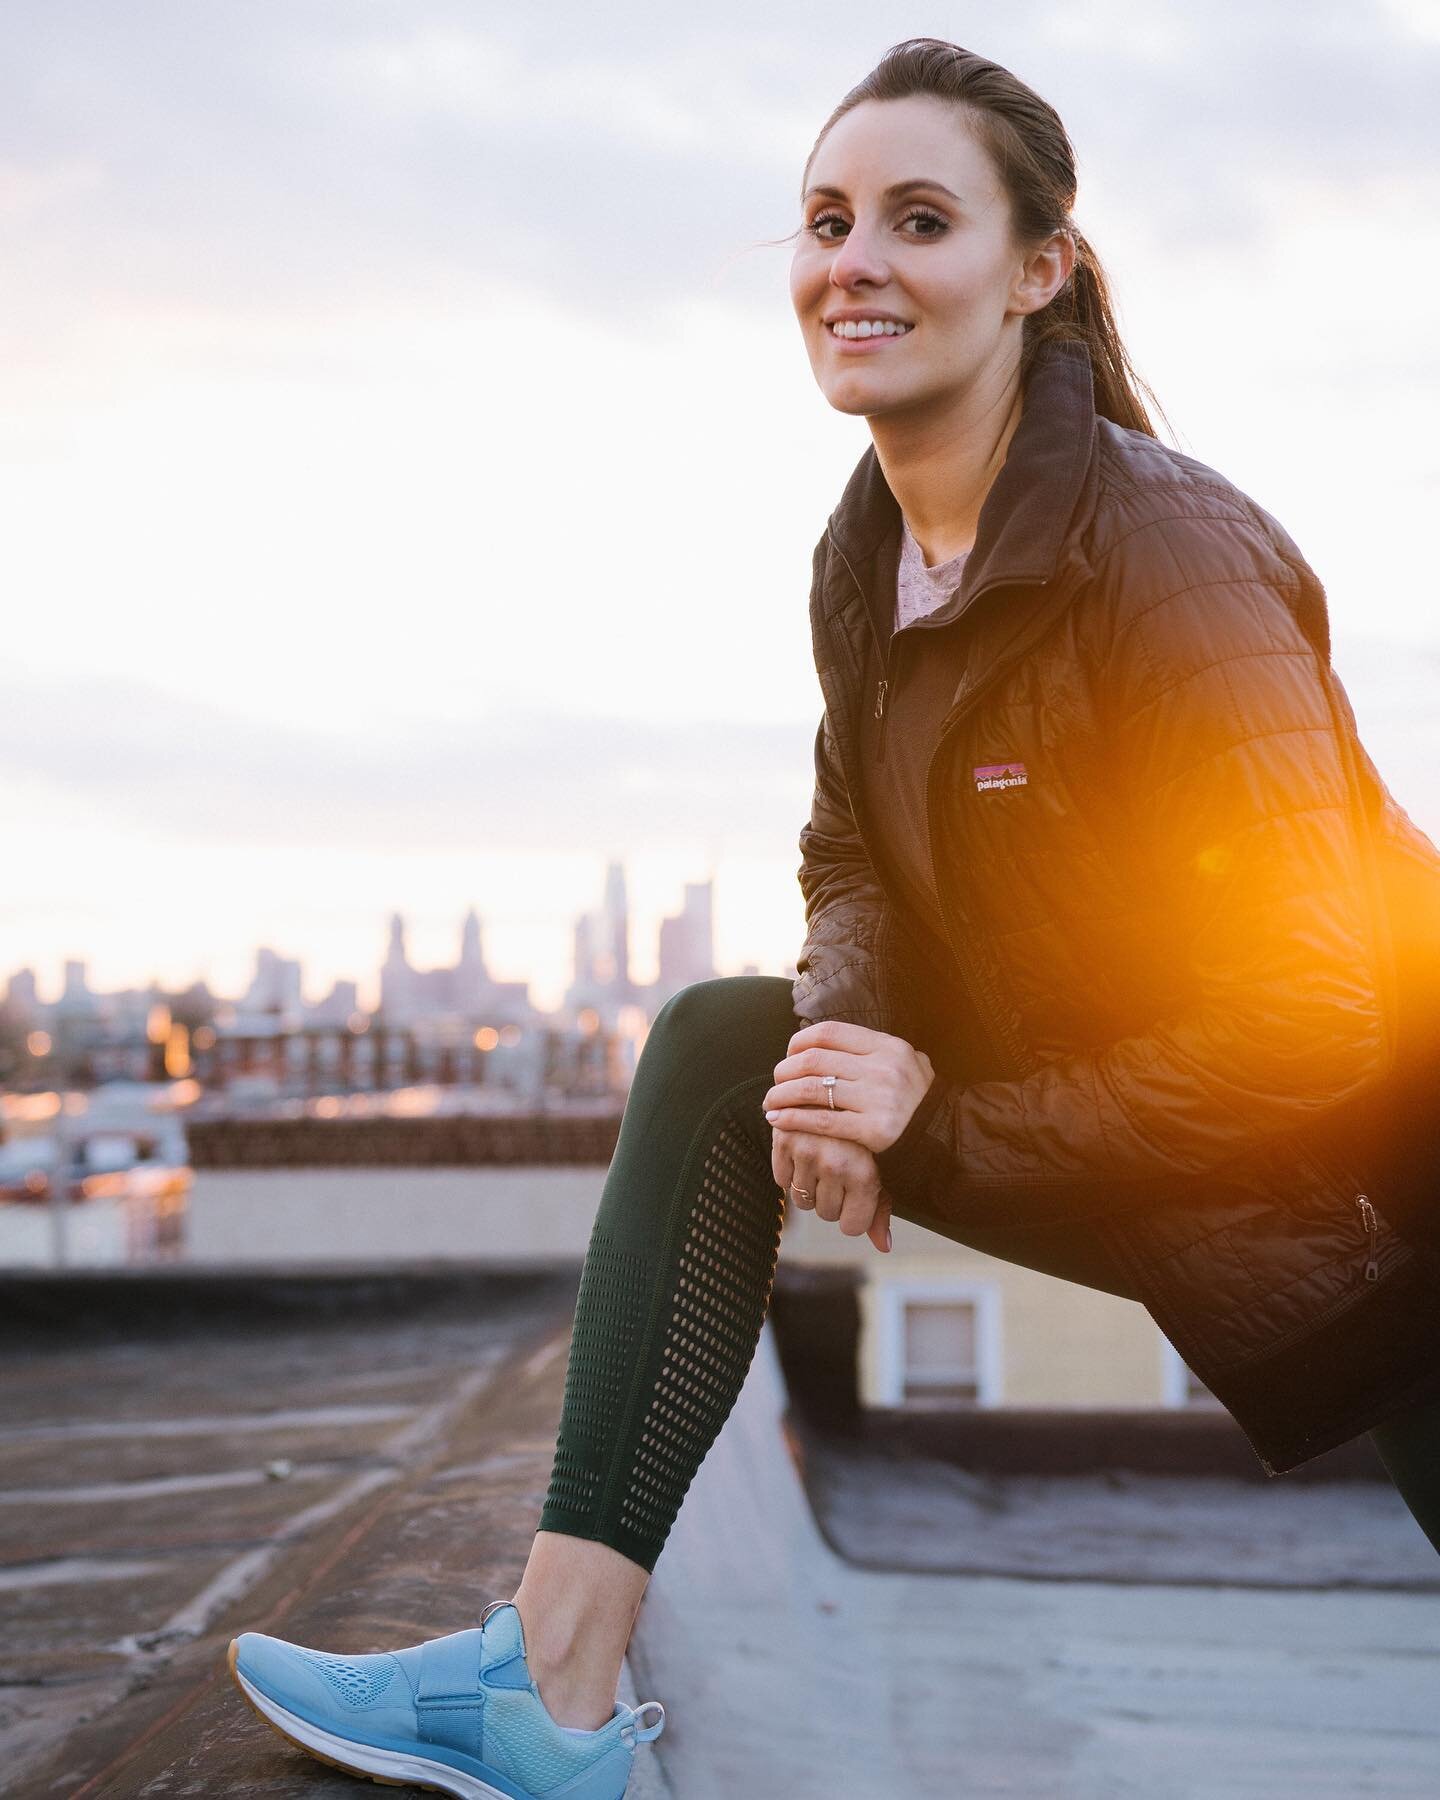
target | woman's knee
[
  {"x": 695, "y": 1100},
  {"x": 713, "y": 1037},
  {"x": 737, "y": 1008}
]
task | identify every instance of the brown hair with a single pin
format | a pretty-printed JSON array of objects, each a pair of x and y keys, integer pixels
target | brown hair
[{"x": 1035, "y": 160}]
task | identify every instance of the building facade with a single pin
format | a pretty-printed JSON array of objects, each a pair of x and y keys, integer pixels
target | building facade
[{"x": 942, "y": 1324}]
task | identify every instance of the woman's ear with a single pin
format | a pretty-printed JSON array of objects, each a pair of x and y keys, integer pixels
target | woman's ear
[{"x": 1044, "y": 272}]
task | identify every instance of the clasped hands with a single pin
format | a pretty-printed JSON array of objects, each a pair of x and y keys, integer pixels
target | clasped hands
[{"x": 826, "y": 1156}]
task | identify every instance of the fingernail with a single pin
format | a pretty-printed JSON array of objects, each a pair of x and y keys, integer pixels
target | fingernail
[
  {"x": 888, "y": 1239},
  {"x": 772, "y": 1117}
]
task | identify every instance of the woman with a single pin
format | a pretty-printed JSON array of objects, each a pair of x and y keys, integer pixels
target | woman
[{"x": 1121, "y": 962}]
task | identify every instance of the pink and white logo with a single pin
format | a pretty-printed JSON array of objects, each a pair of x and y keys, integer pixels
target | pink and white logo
[{"x": 1000, "y": 775}]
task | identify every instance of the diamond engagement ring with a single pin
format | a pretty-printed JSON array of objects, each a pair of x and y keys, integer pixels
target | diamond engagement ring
[{"x": 829, "y": 1081}]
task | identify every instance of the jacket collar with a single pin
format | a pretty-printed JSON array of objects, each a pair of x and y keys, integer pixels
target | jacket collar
[{"x": 1030, "y": 508}]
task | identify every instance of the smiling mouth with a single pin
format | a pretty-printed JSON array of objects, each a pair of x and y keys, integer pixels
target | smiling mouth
[{"x": 850, "y": 331}]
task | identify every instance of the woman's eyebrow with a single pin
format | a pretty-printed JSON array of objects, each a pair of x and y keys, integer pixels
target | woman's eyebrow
[{"x": 892, "y": 192}]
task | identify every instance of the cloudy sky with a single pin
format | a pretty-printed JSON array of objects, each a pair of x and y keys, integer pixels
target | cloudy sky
[{"x": 411, "y": 462}]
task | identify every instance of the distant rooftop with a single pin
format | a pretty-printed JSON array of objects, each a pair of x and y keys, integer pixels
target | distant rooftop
[{"x": 453, "y": 1139}]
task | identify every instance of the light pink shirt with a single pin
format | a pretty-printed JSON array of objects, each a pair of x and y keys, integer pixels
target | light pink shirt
[{"x": 918, "y": 589}]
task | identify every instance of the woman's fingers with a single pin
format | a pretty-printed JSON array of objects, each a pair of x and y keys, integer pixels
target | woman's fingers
[
  {"x": 804, "y": 1163},
  {"x": 815, "y": 1169},
  {"x": 846, "y": 1181},
  {"x": 820, "y": 1061},
  {"x": 796, "y": 1166},
  {"x": 856, "y": 1216},
  {"x": 829, "y": 1196},
  {"x": 861, "y": 1130},
  {"x": 810, "y": 1090},
  {"x": 839, "y": 1180},
  {"x": 839, "y": 1034},
  {"x": 874, "y": 1094},
  {"x": 782, "y": 1166}
]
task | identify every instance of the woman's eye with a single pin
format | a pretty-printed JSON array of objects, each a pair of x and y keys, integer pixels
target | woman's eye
[
  {"x": 823, "y": 219},
  {"x": 817, "y": 225}
]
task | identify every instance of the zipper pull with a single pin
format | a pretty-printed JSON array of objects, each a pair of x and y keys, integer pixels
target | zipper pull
[
  {"x": 1367, "y": 1213},
  {"x": 880, "y": 699}
]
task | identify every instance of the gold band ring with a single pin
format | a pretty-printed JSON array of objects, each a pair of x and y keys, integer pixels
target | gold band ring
[{"x": 829, "y": 1081}]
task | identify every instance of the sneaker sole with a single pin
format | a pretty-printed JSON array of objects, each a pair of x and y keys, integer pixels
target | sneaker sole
[{"x": 388, "y": 1767}]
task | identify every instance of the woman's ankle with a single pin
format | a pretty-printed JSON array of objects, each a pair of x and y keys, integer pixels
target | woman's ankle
[
  {"x": 577, "y": 1687},
  {"x": 577, "y": 1600},
  {"x": 577, "y": 1706}
]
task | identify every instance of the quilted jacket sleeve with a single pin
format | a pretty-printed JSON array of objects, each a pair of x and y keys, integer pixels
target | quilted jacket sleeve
[
  {"x": 1223, "y": 744},
  {"x": 849, "y": 967}
]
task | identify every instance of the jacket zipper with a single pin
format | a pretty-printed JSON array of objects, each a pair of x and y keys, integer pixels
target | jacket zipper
[
  {"x": 884, "y": 656},
  {"x": 885, "y": 687},
  {"x": 1283, "y": 1342},
  {"x": 1366, "y": 1209},
  {"x": 1013, "y": 1056},
  {"x": 1367, "y": 1214},
  {"x": 1372, "y": 1273}
]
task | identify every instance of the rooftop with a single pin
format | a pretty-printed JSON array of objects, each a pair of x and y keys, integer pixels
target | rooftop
[{"x": 356, "y": 1459}]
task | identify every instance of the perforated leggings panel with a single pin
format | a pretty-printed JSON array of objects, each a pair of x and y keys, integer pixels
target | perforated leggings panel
[{"x": 679, "y": 1270}]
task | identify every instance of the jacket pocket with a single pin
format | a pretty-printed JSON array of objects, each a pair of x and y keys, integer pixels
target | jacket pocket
[{"x": 1384, "y": 1248}]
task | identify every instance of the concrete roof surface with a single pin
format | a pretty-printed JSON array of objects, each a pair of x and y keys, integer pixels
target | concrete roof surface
[
  {"x": 407, "y": 1427},
  {"x": 359, "y": 1464},
  {"x": 792, "y": 1675}
]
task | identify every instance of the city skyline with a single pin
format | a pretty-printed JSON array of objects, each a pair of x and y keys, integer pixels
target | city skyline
[
  {"x": 535, "y": 895},
  {"x": 684, "y": 951}
]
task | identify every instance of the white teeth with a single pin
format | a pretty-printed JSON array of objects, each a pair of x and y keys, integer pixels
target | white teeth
[{"x": 864, "y": 328}]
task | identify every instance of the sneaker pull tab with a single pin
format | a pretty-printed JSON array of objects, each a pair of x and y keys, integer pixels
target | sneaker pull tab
[{"x": 651, "y": 1731}]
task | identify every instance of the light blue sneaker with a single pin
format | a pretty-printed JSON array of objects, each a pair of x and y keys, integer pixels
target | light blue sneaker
[{"x": 460, "y": 1714}]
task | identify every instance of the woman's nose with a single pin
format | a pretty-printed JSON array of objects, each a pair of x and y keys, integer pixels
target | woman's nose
[{"x": 858, "y": 259}]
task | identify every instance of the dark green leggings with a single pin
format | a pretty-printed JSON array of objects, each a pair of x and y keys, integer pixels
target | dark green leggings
[
  {"x": 677, "y": 1278},
  {"x": 1409, "y": 1447},
  {"x": 681, "y": 1261}
]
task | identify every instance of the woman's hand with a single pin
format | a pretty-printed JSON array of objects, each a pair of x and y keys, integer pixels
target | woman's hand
[
  {"x": 879, "y": 1081},
  {"x": 836, "y": 1179}
]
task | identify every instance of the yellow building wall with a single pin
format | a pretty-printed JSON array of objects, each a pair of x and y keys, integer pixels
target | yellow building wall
[{"x": 1061, "y": 1344}]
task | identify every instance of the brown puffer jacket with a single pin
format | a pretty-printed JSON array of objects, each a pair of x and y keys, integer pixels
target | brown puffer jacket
[{"x": 1200, "y": 938}]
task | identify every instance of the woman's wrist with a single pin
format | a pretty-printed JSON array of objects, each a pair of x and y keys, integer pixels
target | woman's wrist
[{"x": 909, "y": 1159}]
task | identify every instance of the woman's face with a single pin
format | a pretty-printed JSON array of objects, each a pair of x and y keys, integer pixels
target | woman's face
[{"x": 905, "y": 220}]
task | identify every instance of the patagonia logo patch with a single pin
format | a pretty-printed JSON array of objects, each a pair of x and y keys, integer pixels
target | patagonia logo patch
[{"x": 1000, "y": 775}]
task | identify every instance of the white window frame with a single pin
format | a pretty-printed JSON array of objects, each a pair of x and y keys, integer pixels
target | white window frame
[
  {"x": 1175, "y": 1375},
  {"x": 891, "y": 1298}
]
